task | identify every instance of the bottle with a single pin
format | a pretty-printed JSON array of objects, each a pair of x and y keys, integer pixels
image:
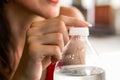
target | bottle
[{"x": 79, "y": 59}]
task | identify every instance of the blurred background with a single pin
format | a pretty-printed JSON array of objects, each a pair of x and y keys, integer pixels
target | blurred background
[{"x": 104, "y": 15}]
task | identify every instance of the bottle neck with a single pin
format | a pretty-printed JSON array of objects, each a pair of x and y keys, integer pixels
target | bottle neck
[{"x": 77, "y": 37}]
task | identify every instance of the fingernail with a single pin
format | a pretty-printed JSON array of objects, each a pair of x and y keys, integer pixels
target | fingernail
[
  {"x": 86, "y": 24},
  {"x": 90, "y": 25}
]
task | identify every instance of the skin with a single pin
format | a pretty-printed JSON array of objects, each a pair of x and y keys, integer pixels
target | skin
[{"x": 39, "y": 28}]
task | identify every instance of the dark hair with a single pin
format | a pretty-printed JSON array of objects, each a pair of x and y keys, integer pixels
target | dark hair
[{"x": 5, "y": 43}]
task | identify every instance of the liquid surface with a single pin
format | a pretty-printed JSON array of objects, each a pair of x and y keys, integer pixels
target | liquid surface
[{"x": 77, "y": 72}]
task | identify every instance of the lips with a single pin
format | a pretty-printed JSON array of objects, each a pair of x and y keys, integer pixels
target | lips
[{"x": 54, "y": 1}]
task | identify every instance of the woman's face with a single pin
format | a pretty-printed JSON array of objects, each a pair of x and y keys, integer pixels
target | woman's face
[{"x": 44, "y": 8}]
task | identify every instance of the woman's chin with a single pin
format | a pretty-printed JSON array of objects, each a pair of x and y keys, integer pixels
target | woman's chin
[{"x": 51, "y": 13}]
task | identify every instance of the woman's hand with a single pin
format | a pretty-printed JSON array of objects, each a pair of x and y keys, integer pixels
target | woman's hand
[
  {"x": 47, "y": 38},
  {"x": 44, "y": 43}
]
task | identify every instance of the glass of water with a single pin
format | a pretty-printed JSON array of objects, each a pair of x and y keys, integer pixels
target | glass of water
[{"x": 79, "y": 73}]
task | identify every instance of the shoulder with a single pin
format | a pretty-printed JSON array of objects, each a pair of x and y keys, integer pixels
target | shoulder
[{"x": 71, "y": 11}]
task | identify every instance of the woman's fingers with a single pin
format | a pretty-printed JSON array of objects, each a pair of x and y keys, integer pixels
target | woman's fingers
[
  {"x": 39, "y": 52},
  {"x": 72, "y": 21},
  {"x": 48, "y": 26},
  {"x": 58, "y": 24},
  {"x": 49, "y": 39}
]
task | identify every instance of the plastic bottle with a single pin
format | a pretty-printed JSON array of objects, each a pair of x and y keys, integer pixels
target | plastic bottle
[{"x": 79, "y": 59}]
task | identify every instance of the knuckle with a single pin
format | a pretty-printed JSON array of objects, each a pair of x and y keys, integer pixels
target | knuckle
[
  {"x": 56, "y": 49},
  {"x": 34, "y": 24},
  {"x": 61, "y": 26},
  {"x": 59, "y": 37},
  {"x": 29, "y": 39},
  {"x": 29, "y": 32},
  {"x": 61, "y": 17},
  {"x": 57, "y": 52}
]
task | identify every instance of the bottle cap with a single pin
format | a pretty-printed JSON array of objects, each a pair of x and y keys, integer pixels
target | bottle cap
[{"x": 82, "y": 31}]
